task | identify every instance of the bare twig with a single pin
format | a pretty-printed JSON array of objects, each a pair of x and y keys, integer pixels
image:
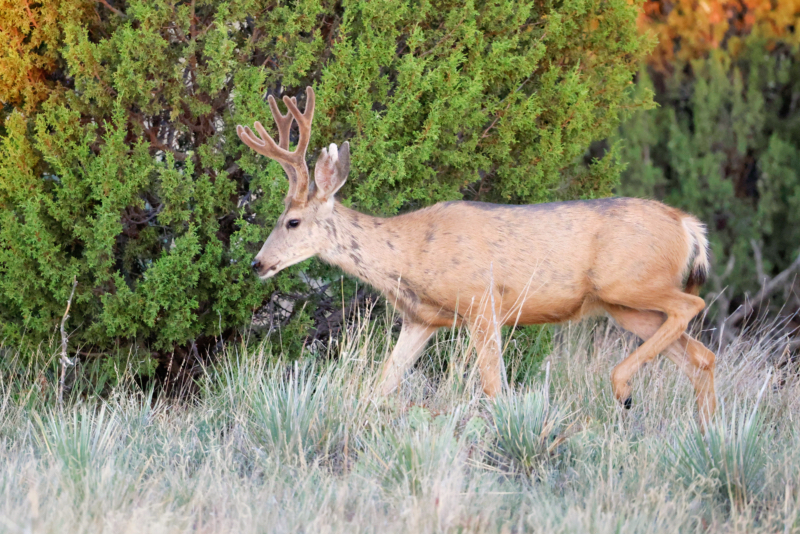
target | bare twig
[
  {"x": 64, "y": 338},
  {"x": 720, "y": 295},
  {"x": 762, "y": 278},
  {"x": 768, "y": 288},
  {"x": 152, "y": 215},
  {"x": 112, "y": 8},
  {"x": 729, "y": 267}
]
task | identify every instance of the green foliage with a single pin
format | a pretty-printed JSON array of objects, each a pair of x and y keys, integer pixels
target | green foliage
[
  {"x": 130, "y": 177},
  {"x": 724, "y": 146},
  {"x": 526, "y": 349},
  {"x": 729, "y": 460}
]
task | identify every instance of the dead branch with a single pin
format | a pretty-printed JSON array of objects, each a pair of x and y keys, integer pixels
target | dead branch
[
  {"x": 719, "y": 293},
  {"x": 112, "y": 8},
  {"x": 64, "y": 338},
  {"x": 769, "y": 287},
  {"x": 759, "y": 261}
]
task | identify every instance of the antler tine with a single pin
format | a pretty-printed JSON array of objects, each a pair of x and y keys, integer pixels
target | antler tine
[
  {"x": 294, "y": 163},
  {"x": 304, "y": 121},
  {"x": 264, "y": 145},
  {"x": 284, "y": 123}
]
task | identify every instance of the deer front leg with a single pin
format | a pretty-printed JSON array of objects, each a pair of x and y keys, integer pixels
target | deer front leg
[
  {"x": 488, "y": 344},
  {"x": 413, "y": 338}
]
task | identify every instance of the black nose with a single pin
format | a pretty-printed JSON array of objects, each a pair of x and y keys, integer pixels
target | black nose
[{"x": 256, "y": 265}]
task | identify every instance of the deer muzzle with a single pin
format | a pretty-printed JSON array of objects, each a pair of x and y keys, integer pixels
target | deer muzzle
[{"x": 263, "y": 272}]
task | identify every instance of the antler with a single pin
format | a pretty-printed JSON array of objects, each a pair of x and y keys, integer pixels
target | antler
[{"x": 294, "y": 163}]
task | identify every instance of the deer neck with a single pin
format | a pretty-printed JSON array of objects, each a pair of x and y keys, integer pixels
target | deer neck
[{"x": 362, "y": 246}]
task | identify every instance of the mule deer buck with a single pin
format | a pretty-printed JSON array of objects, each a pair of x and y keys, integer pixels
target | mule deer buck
[{"x": 486, "y": 265}]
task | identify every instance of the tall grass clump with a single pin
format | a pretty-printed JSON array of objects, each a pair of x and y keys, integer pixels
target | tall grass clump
[
  {"x": 297, "y": 417},
  {"x": 528, "y": 426},
  {"x": 729, "y": 460},
  {"x": 411, "y": 453},
  {"x": 79, "y": 437}
]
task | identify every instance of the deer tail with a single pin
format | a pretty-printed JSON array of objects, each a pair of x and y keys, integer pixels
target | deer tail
[{"x": 697, "y": 262}]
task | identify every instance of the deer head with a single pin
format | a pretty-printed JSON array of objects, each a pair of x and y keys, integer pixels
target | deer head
[{"x": 300, "y": 231}]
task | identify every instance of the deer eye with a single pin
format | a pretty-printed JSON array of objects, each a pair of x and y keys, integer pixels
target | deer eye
[{"x": 293, "y": 223}]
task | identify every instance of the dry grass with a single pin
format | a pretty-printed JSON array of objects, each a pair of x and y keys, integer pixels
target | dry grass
[{"x": 287, "y": 448}]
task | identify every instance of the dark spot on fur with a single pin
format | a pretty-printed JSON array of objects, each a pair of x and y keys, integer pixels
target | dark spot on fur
[
  {"x": 429, "y": 235},
  {"x": 410, "y": 296},
  {"x": 354, "y": 244},
  {"x": 389, "y": 244}
]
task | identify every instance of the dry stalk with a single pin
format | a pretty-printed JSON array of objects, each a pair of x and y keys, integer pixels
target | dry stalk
[{"x": 64, "y": 338}]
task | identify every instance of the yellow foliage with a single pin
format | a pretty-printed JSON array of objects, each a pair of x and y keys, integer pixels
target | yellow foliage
[
  {"x": 31, "y": 33},
  {"x": 688, "y": 29}
]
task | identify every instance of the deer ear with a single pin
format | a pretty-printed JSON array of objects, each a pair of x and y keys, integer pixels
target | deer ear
[{"x": 330, "y": 172}]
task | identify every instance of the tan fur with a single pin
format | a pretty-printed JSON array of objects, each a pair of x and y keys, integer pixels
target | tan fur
[{"x": 486, "y": 265}]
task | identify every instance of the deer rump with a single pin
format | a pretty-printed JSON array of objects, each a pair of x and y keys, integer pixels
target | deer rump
[{"x": 541, "y": 263}]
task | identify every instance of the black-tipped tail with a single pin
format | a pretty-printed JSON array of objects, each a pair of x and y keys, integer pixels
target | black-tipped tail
[{"x": 697, "y": 262}]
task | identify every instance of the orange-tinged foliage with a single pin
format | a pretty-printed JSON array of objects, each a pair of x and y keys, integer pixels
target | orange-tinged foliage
[
  {"x": 688, "y": 29},
  {"x": 31, "y": 35}
]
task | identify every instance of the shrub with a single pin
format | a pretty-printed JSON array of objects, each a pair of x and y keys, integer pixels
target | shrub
[
  {"x": 129, "y": 176},
  {"x": 724, "y": 146}
]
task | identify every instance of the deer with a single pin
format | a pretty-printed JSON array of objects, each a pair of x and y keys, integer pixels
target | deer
[{"x": 485, "y": 265}]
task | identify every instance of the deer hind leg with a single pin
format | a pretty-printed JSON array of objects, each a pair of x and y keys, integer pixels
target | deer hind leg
[
  {"x": 691, "y": 356},
  {"x": 485, "y": 334},
  {"x": 694, "y": 359},
  {"x": 679, "y": 308},
  {"x": 412, "y": 340}
]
